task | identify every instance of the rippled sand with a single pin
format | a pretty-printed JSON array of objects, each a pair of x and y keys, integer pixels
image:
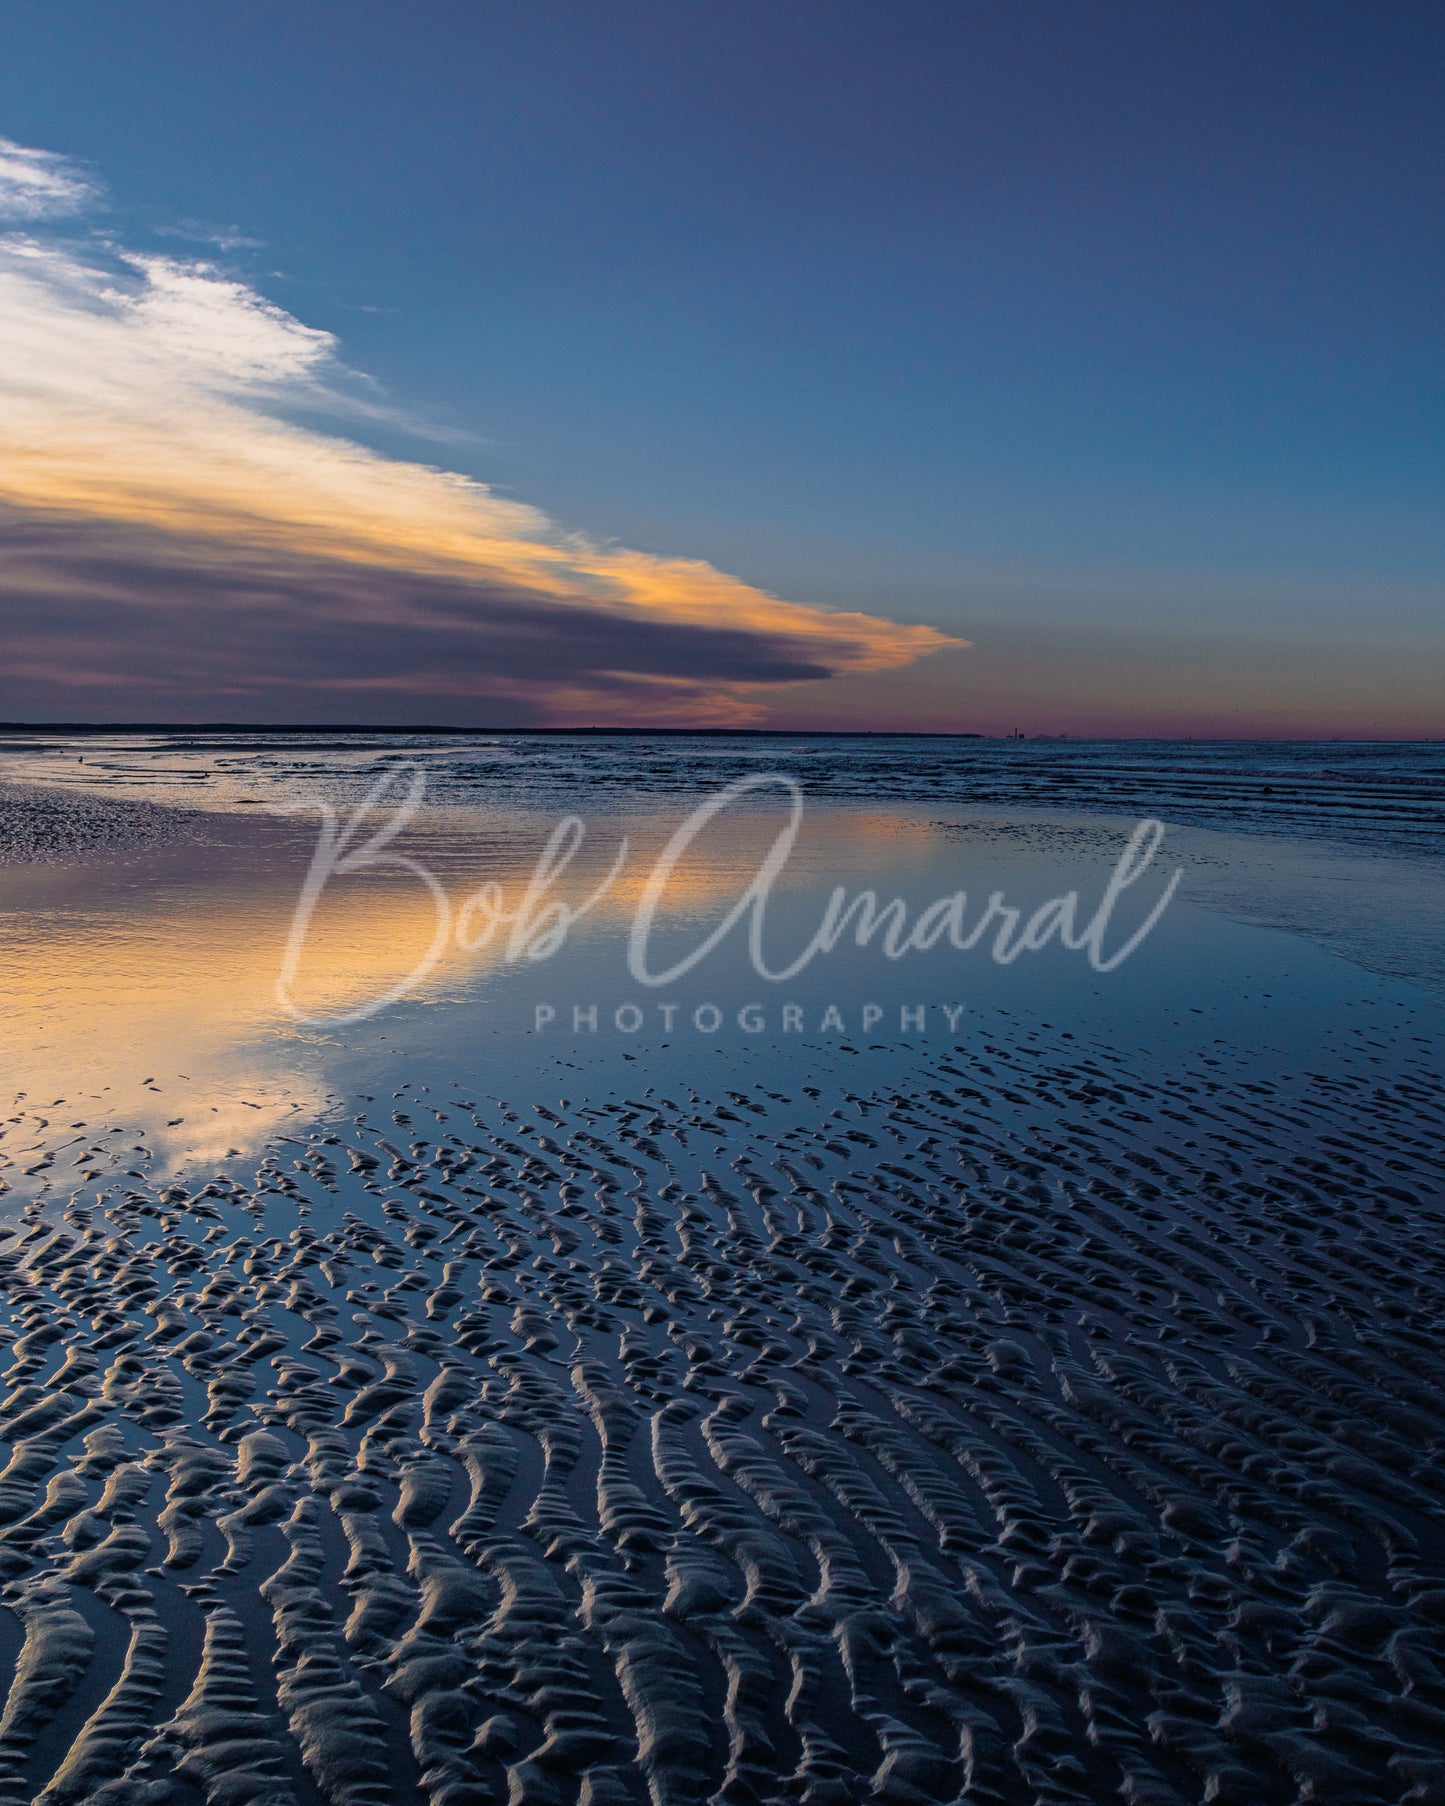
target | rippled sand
[{"x": 1041, "y": 1431}]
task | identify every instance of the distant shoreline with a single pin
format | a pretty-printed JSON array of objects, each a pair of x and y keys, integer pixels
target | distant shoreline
[
  {"x": 61, "y": 729},
  {"x": 647, "y": 733}
]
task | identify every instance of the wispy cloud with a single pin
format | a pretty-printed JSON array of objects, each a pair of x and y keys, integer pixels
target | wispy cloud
[
  {"x": 37, "y": 184},
  {"x": 202, "y": 232},
  {"x": 178, "y": 534}
]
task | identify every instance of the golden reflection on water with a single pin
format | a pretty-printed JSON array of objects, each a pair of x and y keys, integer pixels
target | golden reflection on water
[{"x": 147, "y": 985}]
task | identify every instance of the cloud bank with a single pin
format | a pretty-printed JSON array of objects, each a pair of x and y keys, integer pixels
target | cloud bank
[{"x": 178, "y": 545}]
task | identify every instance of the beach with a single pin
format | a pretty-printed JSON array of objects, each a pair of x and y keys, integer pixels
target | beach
[
  {"x": 453, "y": 1402},
  {"x": 722, "y": 827}
]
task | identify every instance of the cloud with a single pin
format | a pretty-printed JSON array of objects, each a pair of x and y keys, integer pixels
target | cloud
[
  {"x": 227, "y": 626},
  {"x": 179, "y": 541},
  {"x": 201, "y": 232},
  {"x": 37, "y": 184}
]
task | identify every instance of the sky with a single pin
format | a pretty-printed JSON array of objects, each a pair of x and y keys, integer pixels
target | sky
[{"x": 1074, "y": 368}]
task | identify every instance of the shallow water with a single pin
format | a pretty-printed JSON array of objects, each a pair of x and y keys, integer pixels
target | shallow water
[
  {"x": 1341, "y": 842},
  {"x": 148, "y": 979},
  {"x": 1375, "y": 794}
]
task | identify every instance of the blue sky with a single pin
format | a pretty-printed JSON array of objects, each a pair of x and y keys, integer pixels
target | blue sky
[{"x": 1104, "y": 337}]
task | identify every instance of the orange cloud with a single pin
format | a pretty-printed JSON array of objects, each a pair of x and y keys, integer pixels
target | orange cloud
[{"x": 161, "y": 496}]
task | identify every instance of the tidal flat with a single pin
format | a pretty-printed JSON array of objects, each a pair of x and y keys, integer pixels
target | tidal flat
[{"x": 1039, "y": 1403}]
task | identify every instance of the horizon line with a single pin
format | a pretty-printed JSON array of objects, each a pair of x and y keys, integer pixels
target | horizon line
[{"x": 710, "y": 733}]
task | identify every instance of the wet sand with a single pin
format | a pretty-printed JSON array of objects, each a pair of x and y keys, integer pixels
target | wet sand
[
  {"x": 42, "y": 824},
  {"x": 1044, "y": 1413},
  {"x": 1035, "y": 1426}
]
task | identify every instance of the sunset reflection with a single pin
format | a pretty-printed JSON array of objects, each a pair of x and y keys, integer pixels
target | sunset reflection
[{"x": 177, "y": 961}]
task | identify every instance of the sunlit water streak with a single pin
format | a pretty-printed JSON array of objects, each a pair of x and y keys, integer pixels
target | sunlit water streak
[{"x": 145, "y": 981}]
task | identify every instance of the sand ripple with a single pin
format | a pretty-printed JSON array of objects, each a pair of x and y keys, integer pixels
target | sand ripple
[{"x": 1048, "y": 1434}]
